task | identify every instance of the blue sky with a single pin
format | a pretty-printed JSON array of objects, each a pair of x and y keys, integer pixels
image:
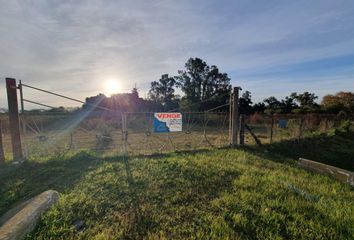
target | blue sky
[{"x": 266, "y": 47}]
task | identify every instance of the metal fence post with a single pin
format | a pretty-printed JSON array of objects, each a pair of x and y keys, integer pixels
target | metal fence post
[
  {"x": 14, "y": 119},
  {"x": 23, "y": 123}
]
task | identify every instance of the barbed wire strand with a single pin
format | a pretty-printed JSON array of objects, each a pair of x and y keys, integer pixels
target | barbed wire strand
[{"x": 63, "y": 96}]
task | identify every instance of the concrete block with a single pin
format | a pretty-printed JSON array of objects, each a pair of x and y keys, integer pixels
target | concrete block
[
  {"x": 21, "y": 220},
  {"x": 337, "y": 173}
]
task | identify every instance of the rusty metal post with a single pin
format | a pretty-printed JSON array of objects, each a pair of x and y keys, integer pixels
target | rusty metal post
[
  {"x": 14, "y": 119},
  {"x": 2, "y": 154}
]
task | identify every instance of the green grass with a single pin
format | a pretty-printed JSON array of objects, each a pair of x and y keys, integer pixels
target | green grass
[
  {"x": 335, "y": 148},
  {"x": 250, "y": 193}
]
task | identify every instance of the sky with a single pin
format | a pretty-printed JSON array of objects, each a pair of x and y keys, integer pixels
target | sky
[{"x": 271, "y": 48}]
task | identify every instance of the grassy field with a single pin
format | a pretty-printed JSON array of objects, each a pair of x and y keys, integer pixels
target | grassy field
[{"x": 249, "y": 193}]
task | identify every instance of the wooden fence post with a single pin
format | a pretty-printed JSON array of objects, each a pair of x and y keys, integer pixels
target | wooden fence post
[
  {"x": 14, "y": 119},
  {"x": 230, "y": 118},
  {"x": 2, "y": 154},
  {"x": 235, "y": 117},
  {"x": 242, "y": 130}
]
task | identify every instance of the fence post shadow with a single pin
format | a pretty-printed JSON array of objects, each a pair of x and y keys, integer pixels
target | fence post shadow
[{"x": 128, "y": 171}]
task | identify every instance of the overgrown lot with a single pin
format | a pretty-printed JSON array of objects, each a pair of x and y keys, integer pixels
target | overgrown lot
[{"x": 251, "y": 193}]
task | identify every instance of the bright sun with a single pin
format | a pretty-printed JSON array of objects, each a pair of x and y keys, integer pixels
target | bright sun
[{"x": 111, "y": 86}]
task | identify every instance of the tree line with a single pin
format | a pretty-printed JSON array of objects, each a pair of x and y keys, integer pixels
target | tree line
[
  {"x": 342, "y": 102},
  {"x": 205, "y": 87},
  {"x": 200, "y": 87}
]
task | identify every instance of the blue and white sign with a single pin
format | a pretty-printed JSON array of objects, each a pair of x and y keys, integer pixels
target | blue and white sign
[
  {"x": 167, "y": 122},
  {"x": 283, "y": 123}
]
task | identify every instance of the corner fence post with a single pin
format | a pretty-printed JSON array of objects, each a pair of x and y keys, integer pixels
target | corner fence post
[
  {"x": 235, "y": 117},
  {"x": 14, "y": 119}
]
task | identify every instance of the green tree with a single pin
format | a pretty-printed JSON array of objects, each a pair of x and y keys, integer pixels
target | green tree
[
  {"x": 288, "y": 104},
  {"x": 245, "y": 103},
  {"x": 272, "y": 104},
  {"x": 162, "y": 91},
  {"x": 201, "y": 83},
  {"x": 306, "y": 101},
  {"x": 259, "y": 107}
]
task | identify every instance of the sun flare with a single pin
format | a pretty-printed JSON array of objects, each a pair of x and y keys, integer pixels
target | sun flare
[{"x": 111, "y": 86}]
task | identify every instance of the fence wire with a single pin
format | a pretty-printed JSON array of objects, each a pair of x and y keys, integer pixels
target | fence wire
[
  {"x": 48, "y": 134},
  {"x": 282, "y": 127},
  {"x": 200, "y": 130},
  {"x": 100, "y": 129},
  {"x": 55, "y": 134}
]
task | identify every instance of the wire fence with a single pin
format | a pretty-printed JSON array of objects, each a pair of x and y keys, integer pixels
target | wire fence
[
  {"x": 280, "y": 127},
  {"x": 49, "y": 134},
  {"x": 52, "y": 134},
  {"x": 109, "y": 132},
  {"x": 100, "y": 129},
  {"x": 200, "y": 130}
]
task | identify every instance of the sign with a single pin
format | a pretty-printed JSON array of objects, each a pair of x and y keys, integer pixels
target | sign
[
  {"x": 167, "y": 122},
  {"x": 283, "y": 123}
]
